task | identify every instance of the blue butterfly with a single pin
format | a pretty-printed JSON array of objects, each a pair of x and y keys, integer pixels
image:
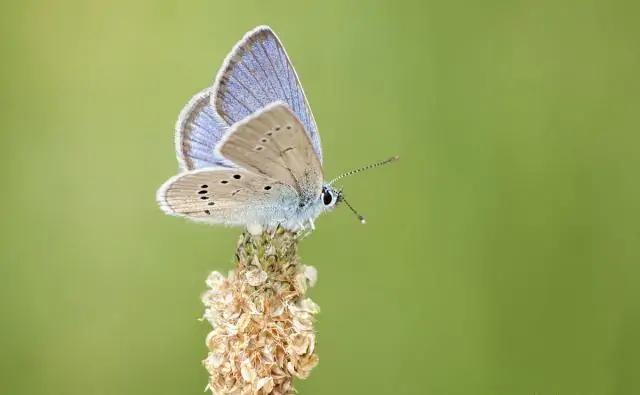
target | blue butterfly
[{"x": 249, "y": 146}]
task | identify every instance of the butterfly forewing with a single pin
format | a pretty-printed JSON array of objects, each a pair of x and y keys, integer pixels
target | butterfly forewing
[
  {"x": 198, "y": 130},
  {"x": 230, "y": 196},
  {"x": 256, "y": 73},
  {"x": 272, "y": 142}
]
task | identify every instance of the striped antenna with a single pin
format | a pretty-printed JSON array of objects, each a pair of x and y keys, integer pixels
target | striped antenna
[
  {"x": 360, "y": 217},
  {"x": 367, "y": 167}
]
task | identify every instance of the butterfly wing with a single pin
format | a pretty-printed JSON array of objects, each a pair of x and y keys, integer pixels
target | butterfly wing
[
  {"x": 272, "y": 142},
  {"x": 256, "y": 73},
  {"x": 198, "y": 130},
  {"x": 227, "y": 196}
]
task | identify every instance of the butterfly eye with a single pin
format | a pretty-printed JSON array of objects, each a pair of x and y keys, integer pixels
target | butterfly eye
[{"x": 327, "y": 198}]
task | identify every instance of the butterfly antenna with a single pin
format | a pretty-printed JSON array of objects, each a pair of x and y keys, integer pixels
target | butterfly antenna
[
  {"x": 367, "y": 167},
  {"x": 360, "y": 217}
]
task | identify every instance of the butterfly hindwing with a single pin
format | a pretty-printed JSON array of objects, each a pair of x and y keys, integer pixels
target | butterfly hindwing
[
  {"x": 256, "y": 73},
  {"x": 272, "y": 142},
  {"x": 198, "y": 130},
  {"x": 227, "y": 196}
]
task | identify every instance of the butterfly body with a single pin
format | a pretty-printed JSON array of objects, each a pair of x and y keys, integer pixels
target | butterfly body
[{"x": 249, "y": 148}]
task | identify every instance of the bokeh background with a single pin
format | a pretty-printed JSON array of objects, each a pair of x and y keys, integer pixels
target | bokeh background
[{"x": 501, "y": 254}]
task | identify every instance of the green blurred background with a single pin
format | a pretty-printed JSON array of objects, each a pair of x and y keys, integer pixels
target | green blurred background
[{"x": 501, "y": 254}]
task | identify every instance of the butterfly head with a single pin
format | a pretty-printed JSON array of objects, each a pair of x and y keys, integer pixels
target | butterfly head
[{"x": 330, "y": 197}]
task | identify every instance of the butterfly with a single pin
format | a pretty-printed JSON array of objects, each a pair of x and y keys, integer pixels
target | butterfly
[{"x": 248, "y": 147}]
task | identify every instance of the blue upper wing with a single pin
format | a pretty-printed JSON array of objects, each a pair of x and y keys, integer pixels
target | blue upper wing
[
  {"x": 256, "y": 73},
  {"x": 198, "y": 130}
]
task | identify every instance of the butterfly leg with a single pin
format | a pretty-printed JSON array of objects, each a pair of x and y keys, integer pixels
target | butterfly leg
[
  {"x": 303, "y": 234},
  {"x": 303, "y": 231}
]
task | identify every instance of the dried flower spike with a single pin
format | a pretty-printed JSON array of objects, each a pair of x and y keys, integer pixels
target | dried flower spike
[{"x": 262, "y": 335}]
